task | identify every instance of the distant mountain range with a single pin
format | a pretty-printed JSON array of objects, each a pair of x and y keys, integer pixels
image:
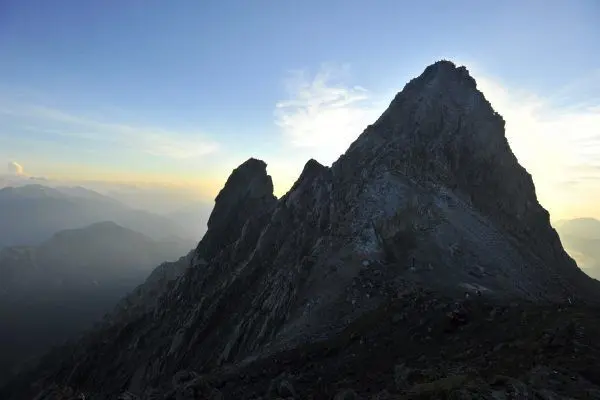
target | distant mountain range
[
  {"x": 581, "y": 239},
  {"x": 32, "y": 213},
  {"x": 51, "y": 291}
]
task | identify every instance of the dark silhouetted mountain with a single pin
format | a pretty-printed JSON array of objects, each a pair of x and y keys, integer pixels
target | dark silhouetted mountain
[
  {"x": 50, "y": 292},
  {"x": 356, "y": 279},
  {"x": 581, "y": 238},
  {"x": 31, "y": 214}
]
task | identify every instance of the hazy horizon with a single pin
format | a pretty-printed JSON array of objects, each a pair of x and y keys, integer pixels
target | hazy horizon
[
  {"x": 134, "y": 99},
  {"x": 156, "y": 198}
]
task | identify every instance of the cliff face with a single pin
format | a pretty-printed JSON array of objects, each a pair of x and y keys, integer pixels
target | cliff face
[
  {"x": 248, "y": 192},
  {"x": 430, "y": 194}
]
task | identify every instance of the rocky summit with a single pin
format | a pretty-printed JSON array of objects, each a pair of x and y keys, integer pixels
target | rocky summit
[{"x": 419, "y": 265}]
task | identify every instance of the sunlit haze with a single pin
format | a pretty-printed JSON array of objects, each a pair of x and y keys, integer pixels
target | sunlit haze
[{"x": 169, "y": 97}]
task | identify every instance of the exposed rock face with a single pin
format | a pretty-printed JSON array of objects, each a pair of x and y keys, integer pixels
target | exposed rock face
[
  {"x": 430, "y": 194},
  {"x": 441, "y": 140},
  {"x": 247, "y": 192}
]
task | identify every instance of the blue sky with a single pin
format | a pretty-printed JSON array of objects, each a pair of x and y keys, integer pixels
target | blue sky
[{"x": 183, "y": 91}]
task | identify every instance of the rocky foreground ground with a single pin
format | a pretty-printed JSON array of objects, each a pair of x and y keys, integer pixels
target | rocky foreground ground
[{"x": 419, "y": 346}]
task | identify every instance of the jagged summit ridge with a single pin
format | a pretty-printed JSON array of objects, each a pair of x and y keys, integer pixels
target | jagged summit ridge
[{"x": 430, "y": 194}]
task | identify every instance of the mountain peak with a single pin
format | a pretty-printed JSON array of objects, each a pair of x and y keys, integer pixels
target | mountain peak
[
  {"x": 447, "y": 70},
  {"x": 310, "y": 170},
  {"x": 248, "y": 189},
  {"x": 441, "y": 133},
  {"x": 250, "y": 178},
  {"x": 438, "y": 127},
  {"x": 442, "y": 90}
]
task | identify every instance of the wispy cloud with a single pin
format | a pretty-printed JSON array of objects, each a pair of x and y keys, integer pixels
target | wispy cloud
[
  {"x": 47, "y": 121},
  {"x": 322, "y": 113},
  {"x": 15, "y": 169}
]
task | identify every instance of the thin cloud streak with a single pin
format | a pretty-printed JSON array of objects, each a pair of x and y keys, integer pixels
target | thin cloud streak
[
  {"x": 150, "y": 140},
  {"x": 321, "y": 115}
]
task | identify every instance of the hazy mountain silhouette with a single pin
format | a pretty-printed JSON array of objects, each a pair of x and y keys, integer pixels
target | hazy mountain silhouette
[
  {"x": 193, "y": 216},
  {"x": 581, "y": 239},
  {"x": 51, "y": 291},
  {"x": 580, "y": 227},
  {"x": 33, "y": 213}
]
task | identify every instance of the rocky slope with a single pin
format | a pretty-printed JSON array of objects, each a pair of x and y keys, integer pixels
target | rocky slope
[{"x": 428, "y": 203}]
